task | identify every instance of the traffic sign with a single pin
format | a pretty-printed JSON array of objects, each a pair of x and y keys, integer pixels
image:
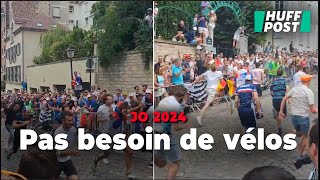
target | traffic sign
[{"x": 90, "y": 63}]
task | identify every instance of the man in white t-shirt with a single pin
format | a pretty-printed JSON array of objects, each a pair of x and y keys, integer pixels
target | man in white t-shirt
[
  {"x": 302, "y": 102},
  {"x": 213, "y": 78},
  {"x": 236, "y": 36},
  {"x": 173, "y": 156}
]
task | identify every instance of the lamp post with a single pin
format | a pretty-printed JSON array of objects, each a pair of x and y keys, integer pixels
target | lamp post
[{"x": 70, "y": 54}]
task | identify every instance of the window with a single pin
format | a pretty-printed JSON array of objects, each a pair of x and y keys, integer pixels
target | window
[
  {"x": 18, "y": 49},
  {"x": 56, "y": 12},
  {"x": 71, "y": 21},
  {"x": 71, "y": 9},
  {"x": 77, "y": 23},
  {"x": 87, "y": 21},
  {"x": 15, "y": 74},
  {"x": 19, "y": 73},
  {"x": 279, "y": 5}
]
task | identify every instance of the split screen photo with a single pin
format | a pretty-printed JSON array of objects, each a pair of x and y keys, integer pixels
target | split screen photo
[{"x": 159, "y": 90}]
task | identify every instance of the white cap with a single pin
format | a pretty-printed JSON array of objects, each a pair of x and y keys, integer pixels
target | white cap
[
  {"x": 248, "y": 77},
  {"x": 47, "y": 98},
  {"x": 194, "y": 28}
]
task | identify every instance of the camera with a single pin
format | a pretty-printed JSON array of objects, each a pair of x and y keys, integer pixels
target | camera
[{"x": 302, "y": 160}]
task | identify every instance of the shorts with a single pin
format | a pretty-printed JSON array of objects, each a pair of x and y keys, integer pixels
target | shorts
[
  {"x": 10, "y": 129},
  {"x": 211, "y": 94},
  {"x": 247, "y": 117},
  {"x": 259, "y": 89},
  {"x": 203, "y": 30},
  {"x": 276, "y": 107},
  {"x": 68, "y": 168},
  {"x": 172, "y": 155},
  {"x": 301, "y": 124},
  {"x": 236, "y": 37}
]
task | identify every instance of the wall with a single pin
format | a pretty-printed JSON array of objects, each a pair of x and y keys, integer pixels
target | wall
[
  {"x": 163, "y": 47},
  {"x": 16, "y": 40},
  {"x": 57, "y": 73},
  {"x": 64, "y": 12},
  {"x": 125, "y": 73}
]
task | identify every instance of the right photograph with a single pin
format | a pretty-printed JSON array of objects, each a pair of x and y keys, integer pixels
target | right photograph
[{"x": 245, "y": 76}]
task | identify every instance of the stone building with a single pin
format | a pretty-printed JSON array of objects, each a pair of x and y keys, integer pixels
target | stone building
[
  {"x": 24, "y": 24},
  {"x": 300, "y": 41},
  {"x": 80, "y": 14}
]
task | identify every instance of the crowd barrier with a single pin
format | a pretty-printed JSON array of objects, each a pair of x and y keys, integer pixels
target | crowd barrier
[{"x": 194, "y": 102}]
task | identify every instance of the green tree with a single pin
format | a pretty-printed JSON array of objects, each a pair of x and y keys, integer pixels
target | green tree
[
  {"x": 55, "y": 42},
  {"x": 119, "y": 27}
]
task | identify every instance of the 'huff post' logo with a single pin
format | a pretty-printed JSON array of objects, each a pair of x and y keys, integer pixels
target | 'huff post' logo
[{"x": 282, "y": 21}]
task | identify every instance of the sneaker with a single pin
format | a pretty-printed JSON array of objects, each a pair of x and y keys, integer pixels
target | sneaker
[
  {"x": 199, "y": 121},
  {"x": 130, "y": 176},
  {"x": 174, "y": 39},
  {"x": 105, "y": 161},
  {"x": 185, "y": 41},
  {"x": 150, "y": 165}
]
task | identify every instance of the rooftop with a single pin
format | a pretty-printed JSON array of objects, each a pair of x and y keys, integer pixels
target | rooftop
[{"x": 25, "y": 13}]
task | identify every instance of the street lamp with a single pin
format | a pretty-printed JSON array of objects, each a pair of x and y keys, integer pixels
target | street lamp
[{"x": 70, "y": 54}]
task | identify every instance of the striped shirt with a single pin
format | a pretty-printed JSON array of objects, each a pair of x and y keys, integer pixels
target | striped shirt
[{"x": 278, "y": 88}]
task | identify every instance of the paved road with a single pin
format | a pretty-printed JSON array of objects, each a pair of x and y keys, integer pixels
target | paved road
[
  {"x": 83, "y": 163},
  {"x": 223, "y": 164}
]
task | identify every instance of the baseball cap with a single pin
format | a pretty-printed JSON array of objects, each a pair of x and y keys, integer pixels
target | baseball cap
[
  {"x": 89, "y": 95},
  {"x": 248, "y": 77},
  {"x": 125, "y": 93},
  {"x": 306, "y": 78}
]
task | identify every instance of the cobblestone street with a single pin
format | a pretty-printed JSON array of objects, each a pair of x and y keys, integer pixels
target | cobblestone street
[
  {"x": 221, "y": 163},
  {"x": 83, "y": 163}
]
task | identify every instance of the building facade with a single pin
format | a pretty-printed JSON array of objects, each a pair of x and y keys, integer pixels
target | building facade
[
  {"x": 300, "y": 41},
  {"x": 24, "y": 24},
  {"x": 58, "y": 75},
  {"x": 3, "y": 46},
  {"x": 80, "y": 14}
]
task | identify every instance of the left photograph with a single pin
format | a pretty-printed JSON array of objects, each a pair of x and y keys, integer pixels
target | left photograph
[{"x": 80, "y": 68}]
